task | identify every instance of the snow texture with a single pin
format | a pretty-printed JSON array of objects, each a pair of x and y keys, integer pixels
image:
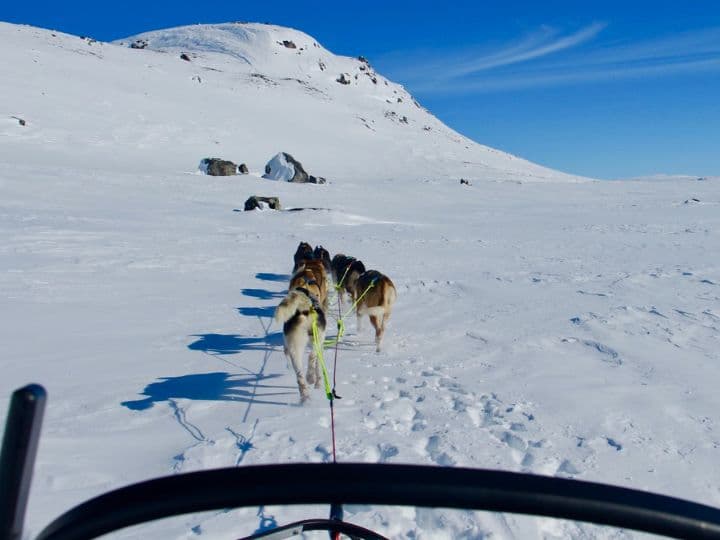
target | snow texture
[{"x": 544, "y": 323}]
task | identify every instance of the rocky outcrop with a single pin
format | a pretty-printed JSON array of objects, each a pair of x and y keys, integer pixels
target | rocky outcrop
[
  {"x": 243, "y": 169},
  {"x": 344, "y": 78},
  {"x": 256, "y": 202},
  {"x": 285, "y": 168},
  {"x": 218, "y": 167}
]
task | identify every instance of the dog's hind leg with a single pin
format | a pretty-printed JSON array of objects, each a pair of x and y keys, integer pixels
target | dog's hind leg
[
  {"x": 379, "y": 325},
  {"x": 314, "y": 372},
  {"x": 295, "y": 343},
  {"x": 311, "y": 374},
  {"x": 360, "y": 313}
]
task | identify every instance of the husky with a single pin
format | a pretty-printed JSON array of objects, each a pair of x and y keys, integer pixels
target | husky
[
  {"x": 311, "y": 276},
  {"x": 323, "y": 255},
  {"x": 338, "y": 265},
  {"x": 375, "y": 295},
  {"x": 304, "y": 252},
  {"x": 352, "y": 274},
  {"x": 345, "y": 271},
  {"x": 296, "y": 312}
]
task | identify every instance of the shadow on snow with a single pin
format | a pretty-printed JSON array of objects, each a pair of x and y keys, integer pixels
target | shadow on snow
[
  {"x": 267, "y": 276},
  {"x": 207, "y": 387},
  {"x": 266, "y": 312},
  {"x": 232, "y": 344},
  {"x": 262, "y": 294}
]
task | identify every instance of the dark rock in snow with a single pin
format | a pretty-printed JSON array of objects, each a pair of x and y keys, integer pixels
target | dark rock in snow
[
  {"x": 218, "y": 167},
  {"x": 243, "y": 169},
  {"x": 139, "y": 44},
  {"x": 185, "y": 57},
  {"x": 289, "y": 44},
  {"x": 286, "y": 168},
  {"x": 344, "y": 78},
  {"x": 262, "y": 202}
]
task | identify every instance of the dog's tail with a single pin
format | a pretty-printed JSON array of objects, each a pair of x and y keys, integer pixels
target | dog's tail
[
  {"x": 293, "y": 302},
  {"x": 390, "y": 295}
]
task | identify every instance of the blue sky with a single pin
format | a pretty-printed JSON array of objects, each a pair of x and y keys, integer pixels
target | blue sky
[{"x": 604, "y": 89}]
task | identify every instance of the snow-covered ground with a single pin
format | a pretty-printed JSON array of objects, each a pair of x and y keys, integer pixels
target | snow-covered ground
[{"x": 544, "y": 323}]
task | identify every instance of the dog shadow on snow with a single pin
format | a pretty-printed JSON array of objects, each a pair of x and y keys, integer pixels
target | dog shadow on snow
[
  {"x": 266, "y": 312},
  {"x": 268, "y": 276},
  {"x": 219, "y": 344},
  {"x": 219, "y": 386},
  {"x": 250, "y": 388},
  {"x": 264, "y": 294}
]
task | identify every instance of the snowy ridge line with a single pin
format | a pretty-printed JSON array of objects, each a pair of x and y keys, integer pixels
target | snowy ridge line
[{"x": 182, "y": 69}]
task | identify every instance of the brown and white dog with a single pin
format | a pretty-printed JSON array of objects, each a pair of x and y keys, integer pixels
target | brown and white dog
[
  {"x": 296, "y": 312},
  {"x": 376, "y": 294},
  {"x": 311, "y": 276},
  {"x": 323, "y": 255},
  {"x": 307, "y": 300}
]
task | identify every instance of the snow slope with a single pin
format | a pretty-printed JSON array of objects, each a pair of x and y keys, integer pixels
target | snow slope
[
  {"x": 246, "y": 99},
  {"x": 559, "y": 327}
]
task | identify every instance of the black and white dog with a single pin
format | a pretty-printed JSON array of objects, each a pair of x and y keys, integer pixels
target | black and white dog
[{"x": 297, "y": 311}]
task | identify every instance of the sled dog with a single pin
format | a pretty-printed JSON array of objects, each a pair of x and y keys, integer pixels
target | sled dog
[
  {"x": 304, "y": 252},
  {"x": 338, "y": 265},
  {"x": 376, "y": 294},
  {"x": 345, "y": 271},
  {"x": 296, "y": 312},
  {"x": 323, "y": 255},
  {"x": 311, "y": 276}
]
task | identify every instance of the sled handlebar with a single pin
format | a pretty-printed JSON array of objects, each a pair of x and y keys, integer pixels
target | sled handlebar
[{"x": 386, "y": 484}]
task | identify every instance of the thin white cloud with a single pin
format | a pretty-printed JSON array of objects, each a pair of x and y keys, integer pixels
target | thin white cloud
[
  {"x": 520, "y": 81},
  {"x": 545, "y": 58},
  {"x": 526, "y": 50}
]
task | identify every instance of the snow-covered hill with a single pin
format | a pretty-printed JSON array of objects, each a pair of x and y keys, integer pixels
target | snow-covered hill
[
  {"x": 242, "y": 95},
  {"x": 562, "y": 328}
]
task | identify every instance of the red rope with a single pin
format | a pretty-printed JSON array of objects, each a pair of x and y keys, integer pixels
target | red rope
[
  {"x": 332, "y": 427},
  {"x": 332, "y": 399},
  {"x": 335, "y": 535}
]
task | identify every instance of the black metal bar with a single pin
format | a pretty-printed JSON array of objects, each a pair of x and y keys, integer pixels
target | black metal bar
[
  {"x": 336, "y": 513},
  {"x": 293, "y": 529},
  {"x": 17, "y": 457},
  {"x": 386, "y": 484}
]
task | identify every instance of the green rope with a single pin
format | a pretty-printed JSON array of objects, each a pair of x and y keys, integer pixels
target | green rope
[
  {"x": 340, "y": 334},
  {"x": 341, "y": 320},
  {"x": 339, "y": 284},
  {"x": 349, "y": 311},
  {"x": 318, "y": 346}
]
